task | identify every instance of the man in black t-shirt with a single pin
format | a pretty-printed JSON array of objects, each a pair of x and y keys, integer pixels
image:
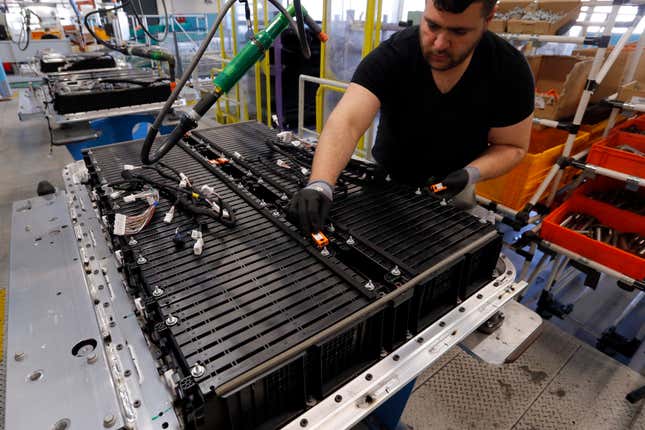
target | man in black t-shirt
[{"x": 456, "y": 104}]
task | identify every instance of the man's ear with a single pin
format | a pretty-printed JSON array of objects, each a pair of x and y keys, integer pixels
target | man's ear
[{"x": 491, "y": 15}]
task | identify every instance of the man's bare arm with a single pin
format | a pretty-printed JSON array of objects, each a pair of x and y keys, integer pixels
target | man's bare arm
[
  {"x": 508, "y": 146},
  {"x": 346, "y": 124}
]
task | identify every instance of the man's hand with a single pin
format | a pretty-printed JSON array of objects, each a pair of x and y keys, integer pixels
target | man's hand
[
  {"x": 310, "y": 206},
  {"x": 455, "y": 182}
]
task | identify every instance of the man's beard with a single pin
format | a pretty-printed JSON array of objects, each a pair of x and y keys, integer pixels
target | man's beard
[{"x": 452, "y": 61}]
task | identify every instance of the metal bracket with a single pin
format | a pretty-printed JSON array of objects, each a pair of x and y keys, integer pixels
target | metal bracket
[{"x": 361, "y": 396}]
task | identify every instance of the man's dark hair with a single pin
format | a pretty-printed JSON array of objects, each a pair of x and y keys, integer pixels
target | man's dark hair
[{"x": 458, "y": 6}]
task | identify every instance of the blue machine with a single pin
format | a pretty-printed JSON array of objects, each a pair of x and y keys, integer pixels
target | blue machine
[{"x": 116, "y": 129}]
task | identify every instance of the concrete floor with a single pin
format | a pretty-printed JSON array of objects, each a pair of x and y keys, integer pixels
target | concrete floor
[{"x": 558, "y": 383}]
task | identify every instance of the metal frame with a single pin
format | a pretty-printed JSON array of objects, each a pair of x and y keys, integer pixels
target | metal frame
[
  {"x": 115, "y": 385},
  {"x": 361, "y": 396}
]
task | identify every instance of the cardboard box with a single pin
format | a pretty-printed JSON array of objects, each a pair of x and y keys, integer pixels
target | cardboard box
[
  {"x": 611, "y": 82},
  {"x": 570, "y": 9},
  {"x": 562, "y": 76},
  {"x": 498, "y": 25},
  {"x": 633, "y": 92}
]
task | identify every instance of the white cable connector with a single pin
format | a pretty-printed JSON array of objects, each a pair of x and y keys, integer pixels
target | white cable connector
[
  {"x": 169, "y": 215},
  {"x": 184, "y": 180},
  {"x": 285, "y": 136},
  {"x": 198, "y": 247},
  {"x": 283, "y": 164},
  {"x": 208, "y": 190},
  {"x": 150, "y": 196},
  {"x": 119, "y": 224},
  {"x": 130, "y": 167}
]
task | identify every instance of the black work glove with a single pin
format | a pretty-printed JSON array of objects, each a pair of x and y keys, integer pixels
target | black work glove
[
  {"x": 310, "y": 206},
  {"x": 455, "y": 182}
]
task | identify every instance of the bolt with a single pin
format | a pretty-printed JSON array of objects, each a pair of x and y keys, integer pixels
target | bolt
[
  {"x": 369, "y": 286},
  {"x": 418, "y": 192},
  {"x": 350, "y": 241},
  {"x": 275, "y": 213},
  {"x": 132, "y": 241},
  {"x": 91, "y": 358},
  {"x": 260, "y": 181},
  {"x": 141, "y": 260},
  {"x": 157, "y": 292},
  {"x": 324, "y": 252},
  {"x": 109, "y": 420},
  {"x": 395, "y": 271},
  {"x": 197, "y": 370},
  {"x": 19, "y": 356},
  {"x": 284, "y": 197},
  {"x": 262, "y": 203},
  {"x": 338, "y": 398},
  {"x": 171, "y": 320},
  {"x": 383, "y": 354}
]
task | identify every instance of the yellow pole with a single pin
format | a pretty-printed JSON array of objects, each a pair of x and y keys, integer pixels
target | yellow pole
[
  {"x": 267, "y": 68},
  {"x": 379, "y": 18},
  {"x": 368, "y": 36},
  {"x": 258, "y": 82}
]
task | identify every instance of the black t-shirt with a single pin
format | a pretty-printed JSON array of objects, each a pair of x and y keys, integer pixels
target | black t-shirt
[{"x": 423, "y": 133}]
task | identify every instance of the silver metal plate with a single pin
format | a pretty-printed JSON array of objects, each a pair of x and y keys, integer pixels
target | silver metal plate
[
  {"x": 107, "y": 113},
  {"x": 520, "y": 324},
  {"x": 49, "y": 313},
  {"x": 52, "y": 308}
]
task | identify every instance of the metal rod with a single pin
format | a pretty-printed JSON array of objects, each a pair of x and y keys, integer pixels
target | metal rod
[
  {"x": 527, "y": 261},
  {"x": 630, "y": 307},
  {"x": 590, "y": 263},
  {"x": 538, "y": 269},
  {"x": 582, "y": 105},
  {"x": 558, "y": 264},
  {"x": 301, "y": 96}
]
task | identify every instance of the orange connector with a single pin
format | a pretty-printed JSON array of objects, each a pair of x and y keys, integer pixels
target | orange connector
[
  {"x": 219, "y": 161},
  {"x": 320, "y": 239},
  {"x": 323, "y": 37},
  {"x": 438, "y": 187}
]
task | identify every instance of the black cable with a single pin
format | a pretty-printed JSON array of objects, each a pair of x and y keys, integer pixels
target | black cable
[
  {"x": 98, "y": 39},
  {"x": 302, "y": 36},
  {"x": 143, "y": 27},
  {"x": 154, "y": 128},
  {"x": 205, "y": 102}
]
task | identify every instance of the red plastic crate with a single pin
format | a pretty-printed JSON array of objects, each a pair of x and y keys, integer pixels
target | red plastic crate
[
  {"x": 638, "y": 122},
  {"x": 604, "y": 154},
  {"x": 600, "y": 252}
]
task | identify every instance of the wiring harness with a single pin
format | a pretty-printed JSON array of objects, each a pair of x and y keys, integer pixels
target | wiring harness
[{"x": 178, "y": 189}]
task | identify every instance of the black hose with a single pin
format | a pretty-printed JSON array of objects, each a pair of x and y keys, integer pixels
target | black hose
[
  {"x": 206, "y": 101},
  {"x": 145, "y": 30},
  {"x": 302, "y": 36},
  {"x": 148, "y": 158}
]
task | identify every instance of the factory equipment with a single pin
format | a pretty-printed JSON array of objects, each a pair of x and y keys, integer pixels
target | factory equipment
[{"x": 193, "y": 265}]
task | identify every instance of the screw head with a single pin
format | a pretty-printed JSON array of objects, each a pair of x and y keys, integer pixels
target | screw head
[
  {"x": 141, "y": 260},
  {"x": 171, "y": 320},
  {"x": 395, "y": 271},
  {"x": 369, "y": 286},
  {"x": 197, "y": 370},
  {"x": 275, "y": 213},
  {"x": 109, "y": 420},
  {"x": 350, "y": 241},
  {"x": 157, "y": 292},
  {"x": 284, "y": 197},
  {"x": 19, "y": 356}
]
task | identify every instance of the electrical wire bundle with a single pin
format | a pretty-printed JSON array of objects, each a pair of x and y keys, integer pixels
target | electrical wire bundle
[
  {"x": 132, "y": 224},
  {"x": 182, "y": 196}
]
